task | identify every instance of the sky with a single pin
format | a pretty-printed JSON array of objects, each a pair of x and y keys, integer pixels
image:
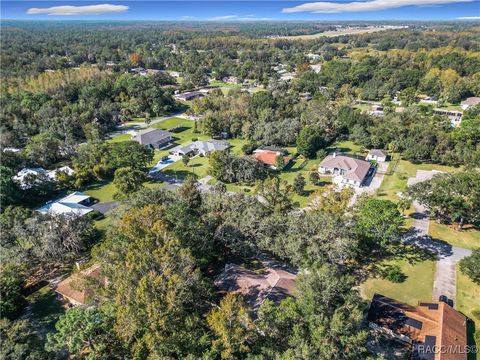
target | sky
[{"x": 247, "y": 10}]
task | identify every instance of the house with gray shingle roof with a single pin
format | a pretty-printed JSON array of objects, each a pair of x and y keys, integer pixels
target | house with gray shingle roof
[
  {"x": 154, "y": 138},
  {"x": 200, "y": 147},
  {"x": 344, "y": 169}
]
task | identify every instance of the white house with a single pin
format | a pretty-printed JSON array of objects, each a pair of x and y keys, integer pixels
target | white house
[
  {"x": 377, "y": 155},
  {"x": 52, "y": 174},
  {"x": 345, "y": 170},
  {"x": 76, "y": 203},
  {"x": 200, "y": 147},
  {"x": 22, "y": 177}
]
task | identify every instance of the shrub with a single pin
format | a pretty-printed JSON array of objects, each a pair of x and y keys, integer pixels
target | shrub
[{"x": 394, "y": 274}]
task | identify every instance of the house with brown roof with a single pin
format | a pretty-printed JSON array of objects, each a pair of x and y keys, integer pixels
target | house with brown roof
[
  {"x": 427, "y": 327},
  {"x": 345, "y": 170},
  {"x": 273, "y": 281},
  {"x": 268, "y": 156},
  {"x": 79, "y": 288}
]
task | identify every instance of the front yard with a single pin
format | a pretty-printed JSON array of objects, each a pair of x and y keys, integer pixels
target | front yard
[{"x": 417, "y": 286}]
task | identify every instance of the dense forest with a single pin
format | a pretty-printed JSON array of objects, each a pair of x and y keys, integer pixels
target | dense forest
[{"x": 67, "y": 87}]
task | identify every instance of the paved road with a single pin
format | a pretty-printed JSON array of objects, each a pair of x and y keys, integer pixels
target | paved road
[
  {"x": 104, "y": 207},
  {"x": 445, "y": 281}
]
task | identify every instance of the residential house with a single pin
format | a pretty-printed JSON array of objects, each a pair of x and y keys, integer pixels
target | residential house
[
  {"x": 26, "y": 177},
  {"x": 189, "y": 95},
  {"x": 75, "y": 203},
  {"x": 314, "y": 57},
  {"x": 316, "y": 67},
  {"x": 345, "y": 170},
  {"x": 200, "y": 147},
  {"x": 155, "y": 138},
  {"x": 376, "y": 110},
  {"x": 268, "y": 156},
  {"x": 471, "y": 101},
  {"x": 274, "y": 281},
  {"x": 454, "y": 116},
  {"x": 79, "y": 288},
  {"x": 377, "y": 155},
  {"x": 52, "y": 174},
  {"x": 428, "y": 327}
]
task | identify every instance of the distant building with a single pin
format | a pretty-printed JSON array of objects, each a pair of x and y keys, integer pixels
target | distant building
[
  {"x": 429, "y": 327},
  {"x": 155, "y": 138},
  {"x": 316, "y": 67},
  {"x": 25, "y": 178},
  {"x": 275, "y": 282},
  {"x": 454, "y": 116},
  {"x": 313, "y": 57},
  {"x": 75, "y": 203},
  {"x": 79, "y": 288},
  {"x": 425, "y": 99},
  {"x": 200, "y": 147},
  {"x": 471, "y": 101},
  {"x": 376, "y": 110},
  {"x": 189, "y": 95},
  {"x": 377, "y": 155},
  {"x": 52, "y": 174},
  {"x": 268, "y": 155},
  {"x": 345, "y": 170}
]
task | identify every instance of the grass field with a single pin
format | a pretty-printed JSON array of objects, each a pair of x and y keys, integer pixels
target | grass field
[
  {"x": 469, "y": 238},
  {"x": 120, "y": 138},
  {"x": 397, "y": 182},
  {"x": 333, "y": 33},
  {"x": 468, "y": 294},
  {"x": 417, "y": 286}
]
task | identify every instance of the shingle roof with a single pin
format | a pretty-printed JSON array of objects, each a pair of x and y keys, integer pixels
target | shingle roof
[
  {"x": 434, "y": 322},
  {"x": 77, "y": 288},
  {"x": 356, "y": 169},
  {"x": 274, "y": 282},
  {"x": 471, "y": 101},
  {"x": 203, "y": 146},
  {"x": 151, "y": 136},
  {"x": 377, "y": 152}
]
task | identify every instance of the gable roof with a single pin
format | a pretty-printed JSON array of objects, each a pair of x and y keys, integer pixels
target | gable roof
[
  {"x": 275, "y": 282},
  {"x": 151, "y": 136},
  {"x": 203, "y": 146},
  {"x": 356, "y": 169},
  {"x": 269, "y": 157},
  {"x": 432, "y": 323},
  {"x": 377, "y": 152},
  {"x": 67, "y": 204},
  {"x": 76, "y": 287},
  {"x": 471, "y": 101}
]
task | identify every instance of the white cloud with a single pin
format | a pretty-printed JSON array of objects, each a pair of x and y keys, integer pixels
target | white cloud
[
  {"x": 370, "y": 5},
  {"x": 468, "y": 18},
  {"x": 239, "y": 18},
  {"x": 225, "y": 17},
  {"x": 69, "y": 10}
]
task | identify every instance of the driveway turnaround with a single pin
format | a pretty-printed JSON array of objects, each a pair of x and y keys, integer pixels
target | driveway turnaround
[{"x": 445, "y": 281}]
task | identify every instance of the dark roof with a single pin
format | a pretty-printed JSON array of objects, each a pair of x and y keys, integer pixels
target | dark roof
[
  {"x": 152, "y": 136},
  {"x": 429, "y": 323}
]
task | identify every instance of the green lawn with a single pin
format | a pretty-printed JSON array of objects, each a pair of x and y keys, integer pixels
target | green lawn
[
  {"x": 417, "y": 286},
  {"x": 397, "y": 182},
  {"x": 467, "y": 302},
  {"x": 469, "y": 238},
  {"x": 120, "y": 138}
]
